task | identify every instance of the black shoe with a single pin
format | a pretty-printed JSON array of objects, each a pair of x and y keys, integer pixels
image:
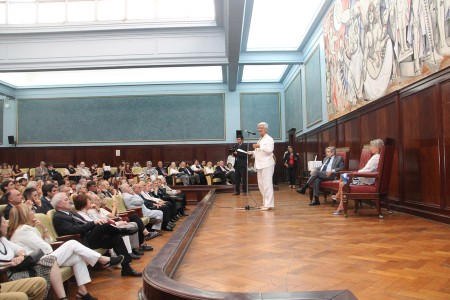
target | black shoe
[
  {"x": 173, "y": 225},
  {"x": 127, "y": 231},
  {"x": 114, "y": 261},
  {"x": 152, "y": 235},
  {"x": 134, "y": 256},
  {"x": 145, "y": 247},
  {"x": 130, "y": 272},
  {"x": 316, "y": 202},
  {"x": 167, "y": 228},
  {"x": 302, "y": 190},
  {"x": 235, "y": 194},
  {"x": 86, "y": 296},
  {"x": 137, "y": 252},
  {"x": 184, "y": 214}
]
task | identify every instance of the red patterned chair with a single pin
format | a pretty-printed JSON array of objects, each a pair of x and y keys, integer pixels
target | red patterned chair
[
  {"x": 326, "y": 186},
  {"x": 379, "y": 190}
]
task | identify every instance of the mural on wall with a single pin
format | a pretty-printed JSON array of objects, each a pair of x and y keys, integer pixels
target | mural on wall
[{"x": 374, "y": 47}]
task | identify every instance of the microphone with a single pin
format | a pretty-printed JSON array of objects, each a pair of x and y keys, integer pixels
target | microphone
[{"x": 250, "y": 132}]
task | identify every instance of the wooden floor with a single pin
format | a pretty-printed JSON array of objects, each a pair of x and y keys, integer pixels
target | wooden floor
[{"x": 302, "y": 248}]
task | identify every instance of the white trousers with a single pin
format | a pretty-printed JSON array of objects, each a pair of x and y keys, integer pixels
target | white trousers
[
  {"x": 75, "y": 255},
  {"x": 265, "y": 185},
  {"x": 153, "y": 213}
]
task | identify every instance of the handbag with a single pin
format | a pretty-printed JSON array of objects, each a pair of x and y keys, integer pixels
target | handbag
[{"x": 28, "y": 263}]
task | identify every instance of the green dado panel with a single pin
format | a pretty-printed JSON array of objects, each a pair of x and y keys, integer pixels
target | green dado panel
[
  {"x": 293, "y": 104},
  {"x": 261, "y": 107},
  {"x": 122, "y": 119}
]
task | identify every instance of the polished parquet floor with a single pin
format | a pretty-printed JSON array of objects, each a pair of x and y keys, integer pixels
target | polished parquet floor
[{"x": 302, "y": 248}]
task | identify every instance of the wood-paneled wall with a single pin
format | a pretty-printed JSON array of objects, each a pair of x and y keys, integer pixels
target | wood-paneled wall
[
  {"x": 31, "y": 156},
  {"x": 418, "y": 118}
]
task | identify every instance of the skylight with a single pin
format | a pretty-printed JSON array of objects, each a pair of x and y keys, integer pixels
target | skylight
[
  {"x": 280, "y": 25},
  {"x": 22, "y": 12},
  {"x": 206, "y": 74},
  {"x": 263, "y": 73}
]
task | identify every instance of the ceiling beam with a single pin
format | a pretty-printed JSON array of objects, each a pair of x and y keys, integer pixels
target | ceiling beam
[{"x": 235, "y": 22}]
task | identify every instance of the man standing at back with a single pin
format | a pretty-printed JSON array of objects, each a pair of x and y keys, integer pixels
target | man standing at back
[
  {"x": 240, "y": 167},
  {"x": 331, "y": 164}
]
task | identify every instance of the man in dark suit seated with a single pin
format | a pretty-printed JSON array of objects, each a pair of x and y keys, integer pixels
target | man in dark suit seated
[
  {"x": 48, "y": 190},
  {"x": 13, "y": 197},
  {"x": 163, "y": 171},
  {"x": 6, "y": 186},
  {"x": 223, "y": 174},
  {"x": 94, "y": 234},
  {"x": 193, "y": 177},
  {"x": 331, "y": 164}
]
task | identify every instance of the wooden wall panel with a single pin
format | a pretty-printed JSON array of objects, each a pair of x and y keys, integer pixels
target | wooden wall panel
[
  {"x": 445, "y": 98},
  {"x": 421, "y": 168},
  {"x": 352, "y": 140}
]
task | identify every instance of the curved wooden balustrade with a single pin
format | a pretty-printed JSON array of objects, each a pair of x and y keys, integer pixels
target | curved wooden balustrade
[{"x": 159, "y": 285}]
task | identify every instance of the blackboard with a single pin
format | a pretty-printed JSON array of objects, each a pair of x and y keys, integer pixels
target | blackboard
[
  {"x": 293, "y": 104},
  {"x": 261, "y": 107},
  {"x": 122, "y": 119}
]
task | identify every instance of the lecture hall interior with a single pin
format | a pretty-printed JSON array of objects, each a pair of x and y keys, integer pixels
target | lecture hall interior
[{"x": 109, "y": 83}]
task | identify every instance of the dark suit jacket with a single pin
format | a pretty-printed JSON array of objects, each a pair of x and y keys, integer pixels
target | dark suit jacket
[
  {"x": 286, "y": 158},
  {"x": 6, "y": 211},
  {"x": 64, "y": 225},
  {"x": 337, "y": 165},
  {"x": 160, "y": 171},
  {"x": 186, "y": 170},
  {"x": 45, "y": 206},
  {"x": 241, "y": 158}
]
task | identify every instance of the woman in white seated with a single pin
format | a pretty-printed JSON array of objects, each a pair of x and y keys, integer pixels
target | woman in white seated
[
  {"x": 23, "y": 232},
  {"x": 209, "y": 169},
  {"x": 371, "y": 166},
  {"x": 173, "y": 170}
]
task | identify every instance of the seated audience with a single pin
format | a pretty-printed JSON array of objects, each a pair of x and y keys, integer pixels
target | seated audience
[
  {"x": 149, "y": 171},
  {"x": 173, "y": 171},
  {"x": 72, "y": 173},
  {"x": 41, "y": 172},
  {"x": 6, "y": 186},
  {"x": 222, "y": 173},
  {"x": 13, "y": 197},
  {"x": 198, "y": 169},
  {"x": 105, "y": 190},
  {"x": 371, "y": 166},
  {"x": 32, "y": 199},
  {"x": 162, "y": 171},
  {"x": 6, "y": 172},
  {"x": 107, "y": 175},
  {"x": 132, "y": 200},
  {"x": 53, "y": 174},
  {"x": 331, "y": 164},
  {"x": 173, "y": 193},
  {"x": 48, "y": 191},
  {"x": 17, "y": 172},
  {"x": 94, "y": 234},
  {"x": 46, "y": 267},
  {"x": 128, "y": 172},
  {"x": 33, "y": 288},
  {"x": 84, "y": 171},
  {"x": 193, "y": 177},
  {"x": 23, "y": 232},
  {"x": 209, "y": 169}
]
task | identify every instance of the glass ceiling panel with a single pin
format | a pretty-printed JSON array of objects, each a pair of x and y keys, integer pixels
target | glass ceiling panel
[
  {"x": 114, "y": 76},
  {"x": 263, "y": 73},
  {"x": 88, "y": 11},
  {"x": 280, "y": 25}
]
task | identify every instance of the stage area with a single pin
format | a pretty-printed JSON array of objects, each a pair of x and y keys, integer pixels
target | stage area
[{"x": 300, "y": 248}]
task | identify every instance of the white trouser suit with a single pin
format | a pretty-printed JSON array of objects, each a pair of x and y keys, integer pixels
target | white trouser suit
[{"x": 265, "y": 165}]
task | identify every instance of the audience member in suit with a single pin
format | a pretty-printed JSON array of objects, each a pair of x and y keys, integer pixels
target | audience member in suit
[
  {"x": 223, "y": 174},
  {"x": 72, "y": 173},
  {"x": 176, "y": 202},
  {"x": 240, "y": 167},
  {"x": 32, "y": 198},
  {"x": 198, "y": 169},
  {"x": 150, "y": 171},
  {"x": 174, "y": 193},
  {"x": 105, "y": 189},
  {"x": 331, "y": 164},
  {"x": 193, "y": 177},
  {"x": 41, "y": 172},
  {"x": 55, "y": 175},
  {"x": 14, "y": 197},
  {"x": 290, "y": 160},
  {"x": 94, "y": 234},
  {"x": 48, "y": 191},
  {"x": 173, "y": 170},
  {"x": 84, "y": 171},
  {"x": 6, "y": 186},
  {"x": 163, "y": 172},
  {"x": 154, "y": 203}
]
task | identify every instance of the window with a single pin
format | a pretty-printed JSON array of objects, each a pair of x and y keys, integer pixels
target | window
[{"x": 263, "y": 73}]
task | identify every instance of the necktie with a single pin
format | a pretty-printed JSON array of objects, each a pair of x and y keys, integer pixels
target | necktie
[
  {"x": 78, "y": 219},
  {"x": 324, "y": 168}
]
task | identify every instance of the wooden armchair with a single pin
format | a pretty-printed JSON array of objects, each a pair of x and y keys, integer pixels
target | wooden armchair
[
  {"x": 379, "y": 190},
  {"x": 326, "y": 186}
]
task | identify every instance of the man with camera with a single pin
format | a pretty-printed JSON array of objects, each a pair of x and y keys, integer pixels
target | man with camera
[{"x": 240, "y": 167}]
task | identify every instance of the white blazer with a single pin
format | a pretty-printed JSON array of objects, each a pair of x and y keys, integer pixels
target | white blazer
[{"x": 264, "y": 154}]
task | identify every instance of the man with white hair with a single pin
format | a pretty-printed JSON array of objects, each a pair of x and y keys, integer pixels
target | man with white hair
[
  {"x": 132, "y": 200},
  {"x": 265, "y": 165}
]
